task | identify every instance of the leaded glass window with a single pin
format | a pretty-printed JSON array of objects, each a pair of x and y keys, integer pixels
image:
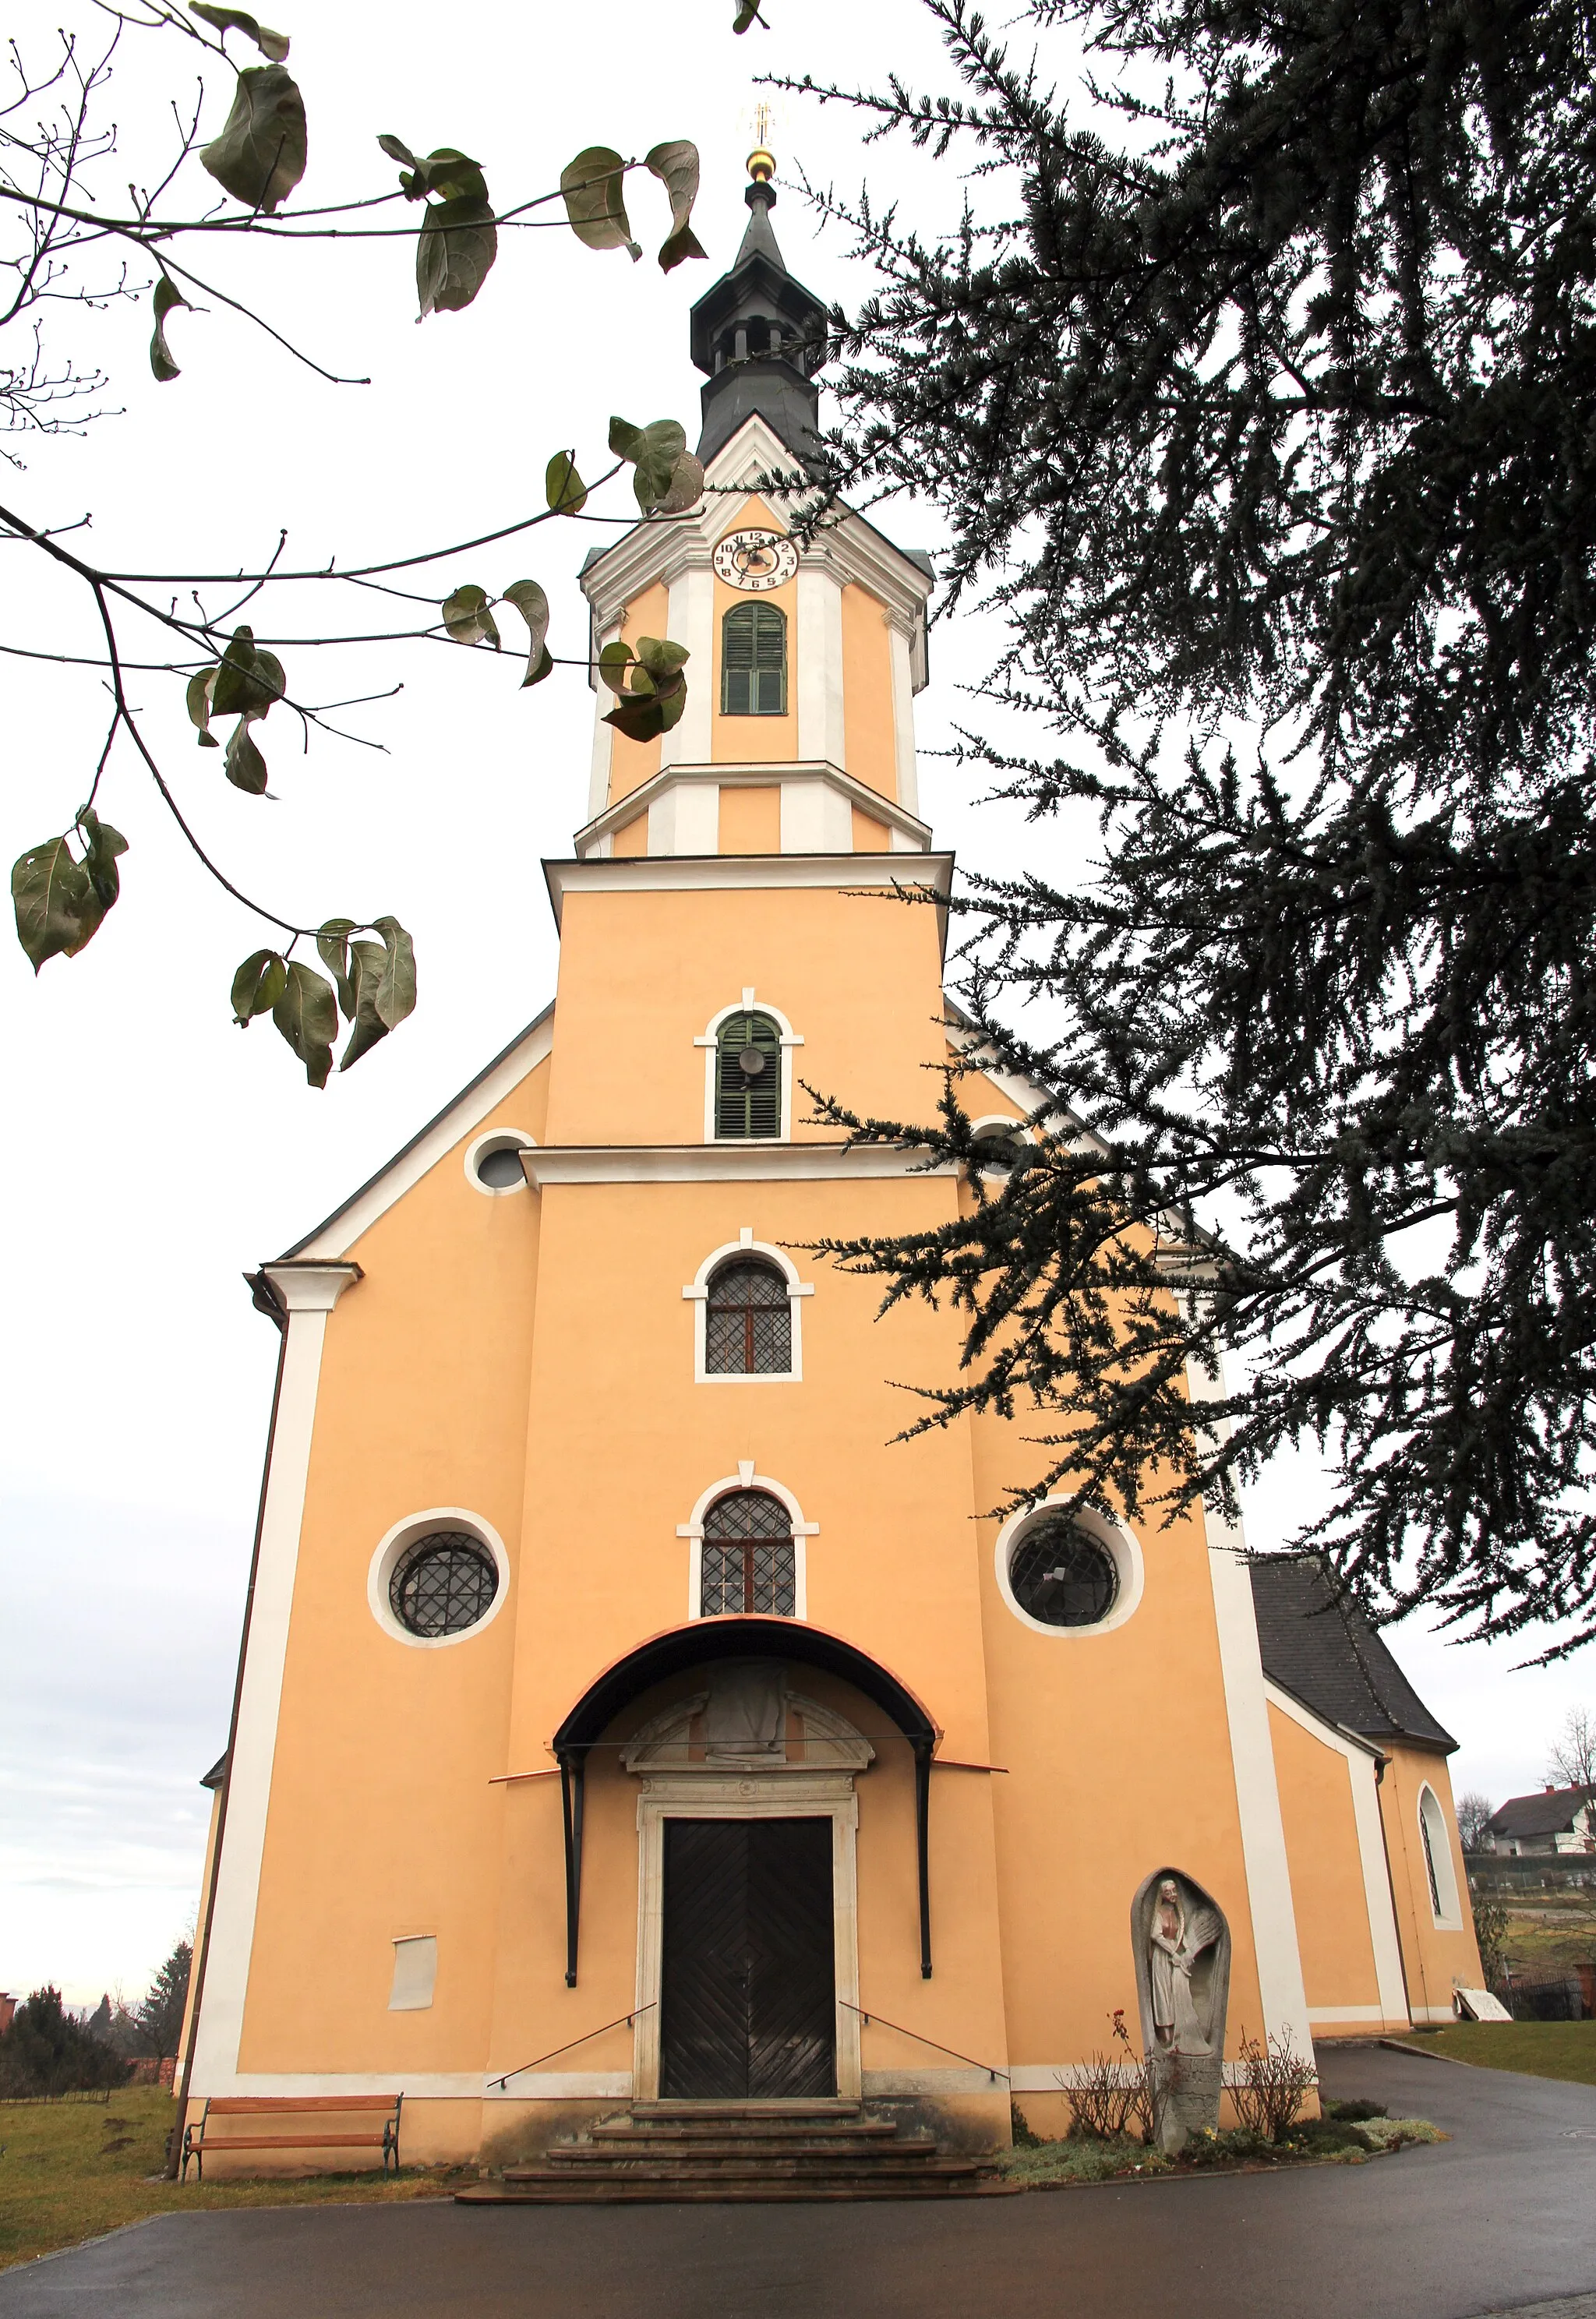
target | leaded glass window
[
  {"x": 748, "y": 1321},
  {"x": 754, "y": 661},
  {"x": 749, "y": 1561},
  {"x": 442, "y": 1585},
  {"x": 1062, "y": 1575},
  {"x": 748, "y": 1076}
]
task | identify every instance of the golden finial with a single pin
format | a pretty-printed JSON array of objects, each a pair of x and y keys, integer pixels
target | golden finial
[{"x": 761, "y": 162}]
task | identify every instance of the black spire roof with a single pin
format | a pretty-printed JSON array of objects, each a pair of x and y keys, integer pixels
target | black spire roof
[{"x": 760, "y": 335}]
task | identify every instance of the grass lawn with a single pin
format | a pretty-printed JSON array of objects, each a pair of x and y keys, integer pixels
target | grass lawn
[
  {"x": 1541, "y": 2049},
  {"x": 70, "y": 2170}
]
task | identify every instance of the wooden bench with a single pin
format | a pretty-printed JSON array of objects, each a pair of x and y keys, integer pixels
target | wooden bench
[{"x": 198, "y": 2139}]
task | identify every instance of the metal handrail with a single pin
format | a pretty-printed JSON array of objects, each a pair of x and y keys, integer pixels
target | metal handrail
[
  {"x": 628, "y": 2017},
  {"x": 866, "y": 2019}
]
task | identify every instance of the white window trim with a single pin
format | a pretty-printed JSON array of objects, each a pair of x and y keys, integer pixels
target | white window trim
[
  {"x": 1012, "y": 1129},
  {"x": 404, "y": 1534},
  {"x": 698, "y": 1292},
  {"x": 692, "y": 1530},
  {"x": 1113, "y": 1535},
  {"x": 709, "y": 1038},
  {"x": 1448, "y": 1917},
  {"x": 496, "y": 1138}
]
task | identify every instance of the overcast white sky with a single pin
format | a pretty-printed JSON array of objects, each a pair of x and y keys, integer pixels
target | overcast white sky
[{"x": 155, "y": 1152}]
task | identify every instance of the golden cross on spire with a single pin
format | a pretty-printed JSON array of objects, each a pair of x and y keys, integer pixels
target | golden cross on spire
[{"x": 761, "y": 161}]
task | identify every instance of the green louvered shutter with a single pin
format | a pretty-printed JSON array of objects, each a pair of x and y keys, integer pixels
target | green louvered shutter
[
  {"x": 754, "y": 661},
  {"x": 748, "y": 1103}
]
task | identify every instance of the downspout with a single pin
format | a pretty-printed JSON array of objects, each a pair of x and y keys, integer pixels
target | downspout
[
  {"x": 1382, "y": 1762},
  {"x": 265, "y": 1300}
]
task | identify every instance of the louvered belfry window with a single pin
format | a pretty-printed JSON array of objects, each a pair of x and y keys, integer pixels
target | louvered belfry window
[
  {"x": 749, "y": 1563},
  {"x": 748, "y": 1323},
  {"x": 748, "y": 1076},
  {"x": 754, "y": 661}
]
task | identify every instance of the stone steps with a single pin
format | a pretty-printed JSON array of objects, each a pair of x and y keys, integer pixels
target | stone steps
[{"x": 666, "y": 2151}]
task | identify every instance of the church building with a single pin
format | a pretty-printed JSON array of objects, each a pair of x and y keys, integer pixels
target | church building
[{"x": 623, "y": 1717}]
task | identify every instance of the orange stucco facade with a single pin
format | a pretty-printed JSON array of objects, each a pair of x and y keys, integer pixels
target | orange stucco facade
[{"x": 522, "y": 1363}]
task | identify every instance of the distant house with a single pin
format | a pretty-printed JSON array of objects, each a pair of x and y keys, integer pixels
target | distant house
[{"x": 1558, "y": 1819}]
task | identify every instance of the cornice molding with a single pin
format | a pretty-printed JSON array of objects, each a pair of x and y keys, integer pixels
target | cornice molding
[
  {"x": 308, "y": 1284},
  {"x": 750, "y": 774},
  {"x": 668, "y": 873},
  {"x": 719, "y": 1163}
]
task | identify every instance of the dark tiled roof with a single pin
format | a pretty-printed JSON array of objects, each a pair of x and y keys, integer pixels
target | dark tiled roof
[
  {"x": 1542, "y": 1814},
  {"x": 1324, "y": 1652}
]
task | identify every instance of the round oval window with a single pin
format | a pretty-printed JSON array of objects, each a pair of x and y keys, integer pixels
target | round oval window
[
  {"x": 1063, "y": 1577},
  {"x": 499, "y": 1168},
  {"x": 444, "y": 1584}
]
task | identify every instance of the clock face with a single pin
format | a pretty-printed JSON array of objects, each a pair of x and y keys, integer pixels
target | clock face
[{"x": 756, "y": 559}]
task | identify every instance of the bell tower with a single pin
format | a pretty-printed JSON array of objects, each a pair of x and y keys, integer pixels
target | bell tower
[{"x": 797, "y": 737}]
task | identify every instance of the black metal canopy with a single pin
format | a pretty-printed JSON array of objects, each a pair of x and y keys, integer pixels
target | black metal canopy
[{"x": 702, "y": 1643}]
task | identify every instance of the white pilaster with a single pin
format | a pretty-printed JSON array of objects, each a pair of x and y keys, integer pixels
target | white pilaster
[
  {"x": 603, "y": 734},
  {"x": 1252, "y": 1756},
  {"x": 815, "y": 818},
  {"x": 903, "y": 719},
  {"x": 685, "y": 818},
  {"x": 819, "y": 651},
  {"x": 691, "y": 620},
  {"x": 309, "y": 1290}
]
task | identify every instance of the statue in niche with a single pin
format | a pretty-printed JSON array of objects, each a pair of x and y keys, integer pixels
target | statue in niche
[{"x": 1182, "y": 1946}]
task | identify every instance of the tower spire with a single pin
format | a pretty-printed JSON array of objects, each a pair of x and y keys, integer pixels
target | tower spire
[{"x": 758, "y": 333}]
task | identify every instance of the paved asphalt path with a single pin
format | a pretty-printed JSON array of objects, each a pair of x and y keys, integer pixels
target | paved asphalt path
[{"x": 1501, "y": 2217}]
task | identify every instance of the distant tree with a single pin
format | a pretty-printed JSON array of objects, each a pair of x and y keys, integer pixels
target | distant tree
[
  {"x": 161, "y": 2016},
  {"x": 49, "y": 2051},
  {"x": 98, "y": 2024},
  {"x": 1571, "y": 1760},
  {"x": 1473, "y": 1820}
]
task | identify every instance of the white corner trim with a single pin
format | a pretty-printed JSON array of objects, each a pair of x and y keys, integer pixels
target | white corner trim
[
  {"x": 1118, "y": 1539},
  {"x": 340, "y": 1232},
  {"x": 404, "y": 1534},
  {"x": 1252, "y": 1756},
  {"x": 495, "y": 1138},
  {"x": 415, "y": 2085},
  {"x": 221, "y": 2023},
  {"x": 696, "y": 1292},
  {"x": 1363, "y": 1764},
  {"x": 1322, "y": 2013}
]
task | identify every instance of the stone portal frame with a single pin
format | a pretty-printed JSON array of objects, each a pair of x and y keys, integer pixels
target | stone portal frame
[{"x": 751, "y": 1777}]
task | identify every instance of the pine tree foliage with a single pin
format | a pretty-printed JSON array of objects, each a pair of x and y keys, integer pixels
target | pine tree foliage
[
  {"x": 160, "y": 2014},
  {"x": 46, "y": 2050},
  {"x": 1258, "y": 387}
]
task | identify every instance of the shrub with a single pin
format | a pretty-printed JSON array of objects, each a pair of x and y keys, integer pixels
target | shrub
[{"x": 1271, "y": 2080}]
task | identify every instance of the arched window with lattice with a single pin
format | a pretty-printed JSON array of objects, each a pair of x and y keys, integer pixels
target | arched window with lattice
[
  {"x": 748, "y": 1076},
  {"x": 748, "y": 1321},
  {"x": 754, "y": 660},
  {"x": 750, "y": 1563}
]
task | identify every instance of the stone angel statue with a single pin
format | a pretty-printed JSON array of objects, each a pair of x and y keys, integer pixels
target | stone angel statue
[{"x": 1183, "y": 1934}]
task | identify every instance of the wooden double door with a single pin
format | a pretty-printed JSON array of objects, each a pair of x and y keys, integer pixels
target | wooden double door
[{"x": 748, "y": 1980}]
